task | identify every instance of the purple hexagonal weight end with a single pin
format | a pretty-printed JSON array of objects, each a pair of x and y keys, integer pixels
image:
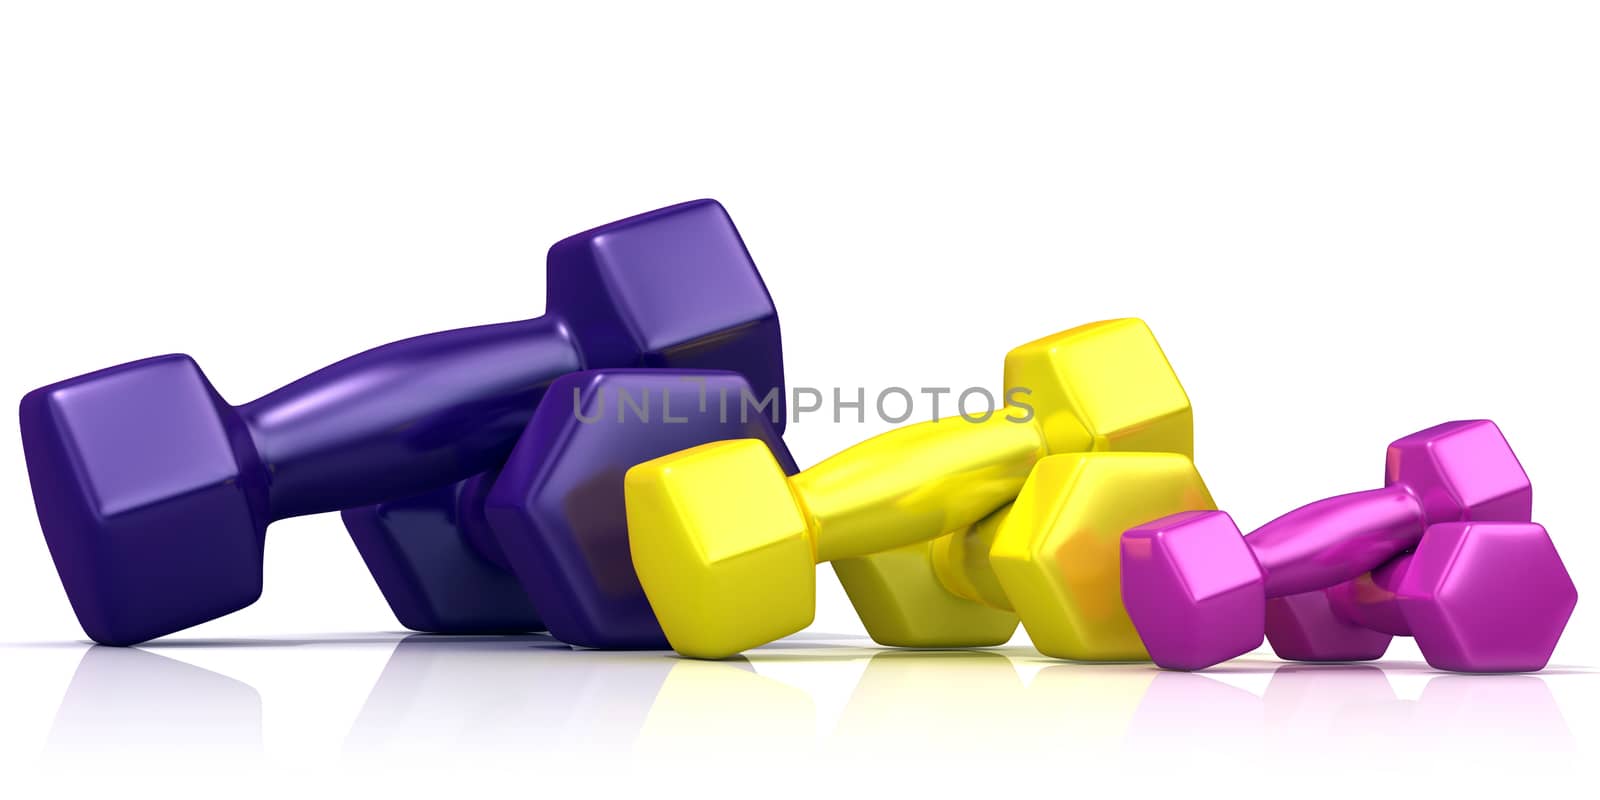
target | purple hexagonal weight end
[
  {"x": 437, "y": 578},
  {"x": 1487, "y": 596},
  {"x": 672, "y": 288},
  {"x": 1193, "y": 589},
  {"x": 557, "y": 507},
  {"x": 149, "y": 501}
]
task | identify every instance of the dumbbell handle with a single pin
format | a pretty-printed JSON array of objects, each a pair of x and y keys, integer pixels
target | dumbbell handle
[
  {"x": 1369, "y": 600},
  {"x": 1330, "y": 541},
  {"x": 915, "y": 483},
  {"x": 405, "y": 417}
]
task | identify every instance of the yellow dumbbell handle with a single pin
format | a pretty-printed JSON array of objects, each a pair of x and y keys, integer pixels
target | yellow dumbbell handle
[
  {"x": 961, "y": 562},
  {"x": 915, "y": 483}
]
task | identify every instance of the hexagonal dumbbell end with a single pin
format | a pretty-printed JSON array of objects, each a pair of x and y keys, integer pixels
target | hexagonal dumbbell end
[
  {"x": 903, "y": 602},
  {"x": 445, "y": 574},
  {"x": 153, "y": 523},
  {"x": 1056, "y": 552},
  {"x": 1306, "y": 627},
  {"x": 729, "y": 563},
  {"x": 1453, "y": 472},
  {"x": 153, "y": 493},
  {"x": 557, "y": 508},
  {"x": 674, "y": 287},
  {"x": 1486, "y": 596},
  {"x": 1193, "y": 589},
  {"x": 1456, "y": 471},
  {"x": 1462, "y": 471},
  {"x": 1477, "y": 596},
  {"x": 1102, "y": 386}
]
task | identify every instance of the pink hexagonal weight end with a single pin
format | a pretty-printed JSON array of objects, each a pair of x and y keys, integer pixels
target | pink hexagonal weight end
[
  {"x": 1193, "y": 589},
  {"x": 1487, "y": 596},
  {"x": 1305, "y": 627}
]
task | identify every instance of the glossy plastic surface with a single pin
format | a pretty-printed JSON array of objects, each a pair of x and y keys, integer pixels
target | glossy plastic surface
[
  {"x": 151, "y": 500},
  {"x": 1192, "y": 589},
  {"x": 432, "y": 583},
  {"x": 722, "y": 547},
  {"x": 1305, "y": 628},
  {"x": 1056, "y": 551},
  {"x": 1106, "y": 384},
  {"x": 154, "y": 494},
  {"x": 682, "y": 287},
  {"x": 1172, "y": 568},
  {"x": 1450, "y": 472},
  {"x": 908, "y": 602},
  {"x": 394, "y": 420},
  {"x": 1478, "y": 597},
  {"x": 911, "y": 484},
  {"x": 557, "y": 507}
]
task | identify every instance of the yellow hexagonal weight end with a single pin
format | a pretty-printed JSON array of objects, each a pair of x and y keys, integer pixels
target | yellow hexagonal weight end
[
  {"x": 903, "y": 604},
  {"x": 1058, "y": 553},
  {"x": 1104, "y": 386},
  {"x": 721, "y": 547}
]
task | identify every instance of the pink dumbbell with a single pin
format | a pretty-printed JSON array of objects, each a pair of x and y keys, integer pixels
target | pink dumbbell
[
  {"x": 1477, "y": 596},
  {"x": 1197, "y": 590}
]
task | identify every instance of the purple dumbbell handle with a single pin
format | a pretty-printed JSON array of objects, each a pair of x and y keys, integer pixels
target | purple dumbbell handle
[
  {"x": 405, "y": 417},
  {"x": 1312, "y": 547}
]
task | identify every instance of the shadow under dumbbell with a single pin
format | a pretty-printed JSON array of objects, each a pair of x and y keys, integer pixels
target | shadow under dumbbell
[
  {"x": 222, "y": 644},
  {"x": 476, "y": 699},
  {"x": 1399, "y": 667},
  {"x": 126, "y": 703},
  {"x": 958, "y": 706},
  {"x": 482, "y": 697},
  {"x": 174, "y": 643}
]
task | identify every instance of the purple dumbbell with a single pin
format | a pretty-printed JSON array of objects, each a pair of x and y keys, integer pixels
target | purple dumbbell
[
  {"x": 1197, "y": 590},
  {"x": 552, "y": 518},
  {"x": 154, "y": 494},
  {"x": 1477, "y": 596}
]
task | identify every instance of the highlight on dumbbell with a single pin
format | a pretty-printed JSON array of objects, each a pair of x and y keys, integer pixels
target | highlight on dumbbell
[
  {"x": 154, "y": 494},
  {"x": 1483, "y": 591},
  {"x": 557, "y": 507},
  {"x": 550, "y": 521},
  {"x": 725, "y": 543},
  {"x": 488, "y": 492},
  {"x": 1476, "y": 596}
]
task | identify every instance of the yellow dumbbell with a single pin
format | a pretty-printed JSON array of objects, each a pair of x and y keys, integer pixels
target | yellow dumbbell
[
  {"x": 725, "y": 544},
  {"x": 1054, "y": 555}
]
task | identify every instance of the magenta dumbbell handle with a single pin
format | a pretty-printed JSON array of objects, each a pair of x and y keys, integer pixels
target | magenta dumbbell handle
[
  {"x": 1369, "y": 601},
  {"x": 1331, "y": 541}
]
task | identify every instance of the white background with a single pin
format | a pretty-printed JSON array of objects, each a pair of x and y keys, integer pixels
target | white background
[{"x": 1345, "y": 222}]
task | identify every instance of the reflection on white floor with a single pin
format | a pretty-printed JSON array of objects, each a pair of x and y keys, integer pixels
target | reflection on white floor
[{"x": 479, "y": 699}]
